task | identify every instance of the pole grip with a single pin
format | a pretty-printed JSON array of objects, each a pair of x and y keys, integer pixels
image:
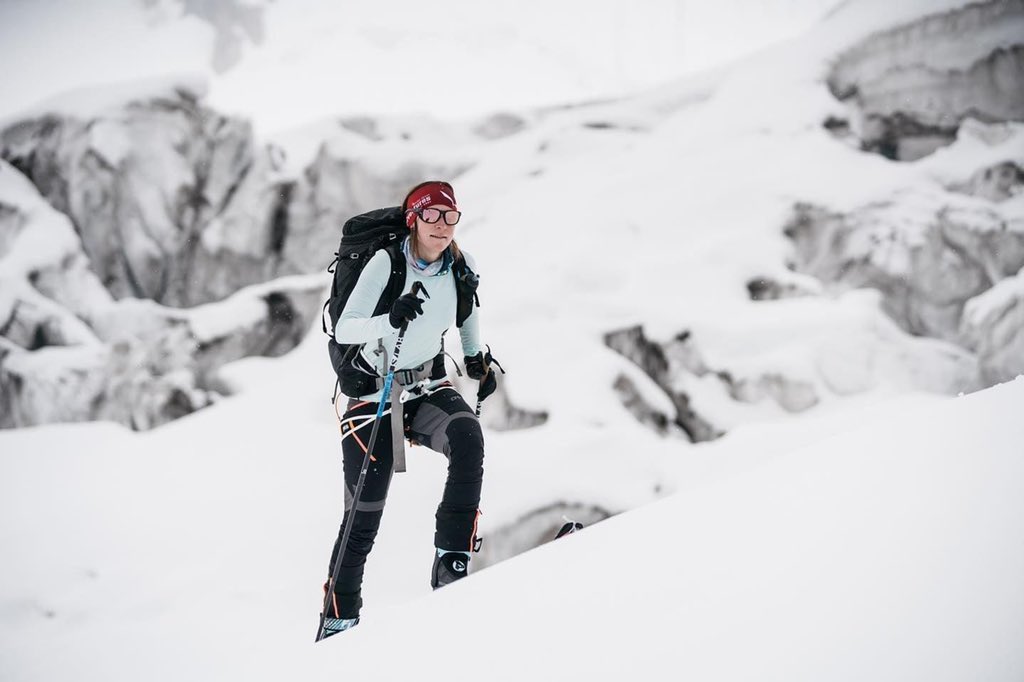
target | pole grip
[{"x": 417, "y": 287}]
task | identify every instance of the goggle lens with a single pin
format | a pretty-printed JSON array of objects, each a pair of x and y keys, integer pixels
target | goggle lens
[{"x": 432, "y": 215}]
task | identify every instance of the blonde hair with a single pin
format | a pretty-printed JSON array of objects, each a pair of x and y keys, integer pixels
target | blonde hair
[{"x": 456, "y": 251}]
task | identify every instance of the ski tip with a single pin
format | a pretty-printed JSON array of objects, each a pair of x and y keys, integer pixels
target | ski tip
[{"x": 568, "y": 528}]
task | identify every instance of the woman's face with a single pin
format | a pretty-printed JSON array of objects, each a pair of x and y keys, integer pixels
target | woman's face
[{"x": 434, "y": 238}]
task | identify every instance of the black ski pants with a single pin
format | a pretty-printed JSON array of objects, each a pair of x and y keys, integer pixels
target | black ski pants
[{"x": 441, "y": 421}]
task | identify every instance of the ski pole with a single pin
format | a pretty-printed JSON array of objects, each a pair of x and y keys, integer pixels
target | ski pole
[
  {"x": 479, "y": 400},
  {"x": 385, "y": 394}
]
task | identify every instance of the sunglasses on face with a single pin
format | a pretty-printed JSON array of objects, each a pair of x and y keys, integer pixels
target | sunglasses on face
[{"x": 432, "y": 215}]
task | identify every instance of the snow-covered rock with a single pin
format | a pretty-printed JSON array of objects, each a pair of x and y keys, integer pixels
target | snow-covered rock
[
  {"x": 927, "y": 254},
  {"x": 329, "y": 171},
  {"x": 656, "y": 362},
  {"x": 154, "y": 364},
  {"x": 910, "y": 87},
  {"x": 177, "y": 203},
  {"x": 69, "y": 351},
  {"x": 785, "y": 358},
  {"x": 176, "y": 206},
  {"x": 48, "y": 287},
  {"x": 138, "y": 385},
  {"x": 998, "y": 182},
  {"x": 993, "y": 323},
  {"x": 173, "y": 202},
  {"x": 534, "y": 529},
  {"x": 931, "y": 246},
  {"x": 361, "y": 166},
  {"x": 784, "y": 285}
]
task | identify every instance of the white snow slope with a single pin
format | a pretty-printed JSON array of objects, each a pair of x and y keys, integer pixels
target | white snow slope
[{"x": 890, "y": 551}]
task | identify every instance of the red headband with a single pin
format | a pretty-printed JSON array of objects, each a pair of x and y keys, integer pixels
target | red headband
[{"x": 428, "y": 194}]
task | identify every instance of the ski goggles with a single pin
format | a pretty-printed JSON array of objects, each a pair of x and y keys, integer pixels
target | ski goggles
[{"x": 431, "y": 215}]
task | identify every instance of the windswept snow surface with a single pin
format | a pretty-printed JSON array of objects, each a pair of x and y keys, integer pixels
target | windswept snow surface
[{"x": 888, "y": 551}]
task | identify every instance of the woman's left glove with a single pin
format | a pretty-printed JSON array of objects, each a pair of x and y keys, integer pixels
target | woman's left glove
[{"x": 479, "y": 367}]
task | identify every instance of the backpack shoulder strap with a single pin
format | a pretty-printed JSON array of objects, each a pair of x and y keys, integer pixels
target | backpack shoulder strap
[
  {"x": 466, "y": 283},
  {"x": 396, "y": 279}
]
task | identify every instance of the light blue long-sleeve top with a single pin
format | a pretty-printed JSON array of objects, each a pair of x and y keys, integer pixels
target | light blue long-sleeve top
[{"x": 422, "y": 341}]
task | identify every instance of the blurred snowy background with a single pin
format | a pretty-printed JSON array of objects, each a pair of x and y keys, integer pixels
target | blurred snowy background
[{"x": 744, "y": 227}]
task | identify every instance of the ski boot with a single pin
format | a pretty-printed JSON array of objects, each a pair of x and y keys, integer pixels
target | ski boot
[
  {"x": 333, "y": 626},
  {"x": 449, "y": 566},
  {"x": 333, "y": 622}
]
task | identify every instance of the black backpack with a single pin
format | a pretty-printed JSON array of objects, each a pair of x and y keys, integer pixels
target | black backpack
[{"x": 361, "y": 237}]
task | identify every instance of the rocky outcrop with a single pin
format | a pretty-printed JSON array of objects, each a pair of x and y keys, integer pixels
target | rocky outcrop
[
  {"x": 909, "y": 88},
  {"x": 808, "y": 351},
  {"x": 69, "y": 351},
  {"x": 172, "y": 202},
  {"x": 161, "y": 221},
  {"x": 152, "y": 364},
  {"x": 938, "y": 252},
  {"x": 927, "y": 263},
  {"x": 498, "y": 412},
  {"x": 363, "y": 163},
  {"x": 787, "y": 285},
  {"x": 993, "y": 324},
  {"x": 133, "y": 384},
  {"x": 996, "y": 183},
  {"x": 633, "y": 400},
  {"x": 789, "y": 393},
  {"x": 336, "y": 186},
  {"x": 176, "y": 203},
  {"x": 533, "y": 529},
  {"x": 658, "y": 363}
]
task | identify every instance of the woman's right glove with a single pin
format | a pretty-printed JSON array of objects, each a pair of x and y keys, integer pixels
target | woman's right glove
[{"x": 405, "y": 309}]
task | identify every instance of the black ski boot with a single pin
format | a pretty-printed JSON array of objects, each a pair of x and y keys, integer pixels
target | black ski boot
[
  {"x": 333, "y": 626},
  {"x": 449, "y": 566},
  {"x": 340, "y": 603}
]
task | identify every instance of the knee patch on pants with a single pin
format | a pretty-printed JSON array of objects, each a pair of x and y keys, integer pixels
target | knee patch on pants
[
  {"x": 444, "y": 418},
  {"x": 466, "y": 438}
]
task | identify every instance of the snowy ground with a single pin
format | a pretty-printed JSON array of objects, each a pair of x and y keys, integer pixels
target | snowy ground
[
  {"x": 874, "y": 537},
  {"x": 887, "y": 551}
]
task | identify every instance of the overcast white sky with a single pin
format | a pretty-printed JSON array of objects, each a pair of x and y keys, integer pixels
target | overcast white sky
[{"x": 293, "y": 61}]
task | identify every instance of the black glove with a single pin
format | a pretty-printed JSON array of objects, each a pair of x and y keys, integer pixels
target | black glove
[
  {"x": 479, "y": 367},
  {"x": 405, "y": 309},
  {"x": 488, "y": 385}
]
